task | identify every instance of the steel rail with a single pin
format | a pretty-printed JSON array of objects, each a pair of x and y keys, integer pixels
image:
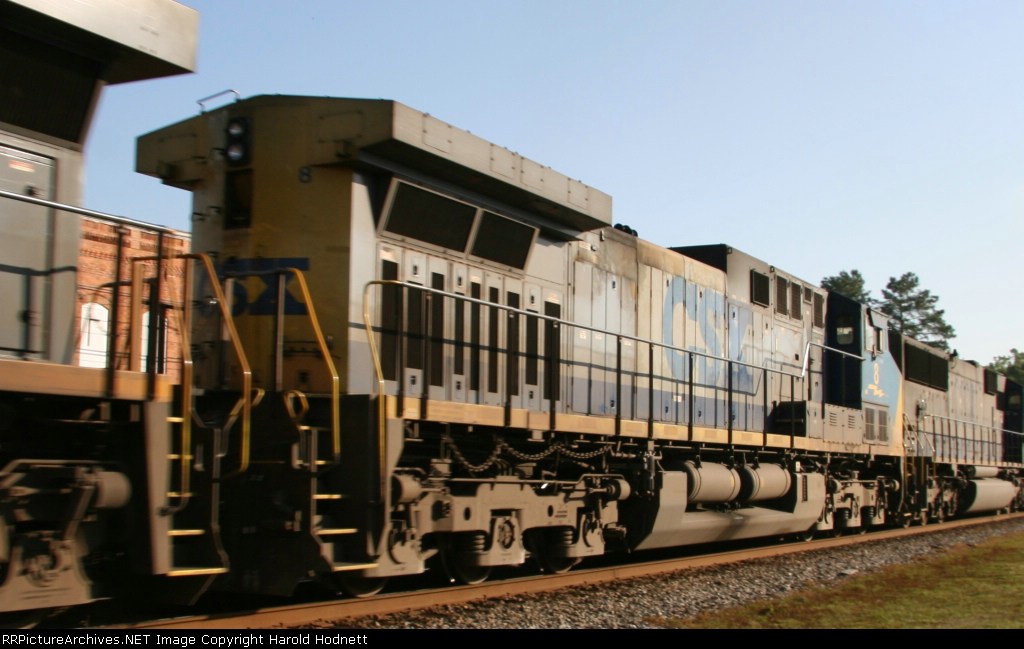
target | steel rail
[{"x": 346, "y": 613}]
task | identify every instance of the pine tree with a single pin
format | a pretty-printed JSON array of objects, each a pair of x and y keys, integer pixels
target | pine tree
[
  {"x": 850, "y": 284},
  {"x": 914, "y": 313},
  {"x": 1011, "y": 365}
]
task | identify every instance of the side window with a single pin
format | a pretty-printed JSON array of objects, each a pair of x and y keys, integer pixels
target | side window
[
  {"x": 844, "y": 332},
  {"x": 92, "y": 350}
]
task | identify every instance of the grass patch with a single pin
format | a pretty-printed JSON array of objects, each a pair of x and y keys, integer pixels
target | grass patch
[{"x": 977, "y": 587}]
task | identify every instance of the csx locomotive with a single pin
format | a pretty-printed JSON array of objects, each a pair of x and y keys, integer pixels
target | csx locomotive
[
  {"x": 405, "y": 348},
  {"x": 449, "y": 352}
]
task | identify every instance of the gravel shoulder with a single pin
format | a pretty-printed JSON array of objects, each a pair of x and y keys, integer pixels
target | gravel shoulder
[{"x": 633, "y": 603}]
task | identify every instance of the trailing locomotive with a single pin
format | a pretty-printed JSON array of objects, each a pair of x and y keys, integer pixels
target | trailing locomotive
[
  {"x": 457, "y": 357},
  {"x": 406, "y": 348},
  {"x": 81, "y": 457}
]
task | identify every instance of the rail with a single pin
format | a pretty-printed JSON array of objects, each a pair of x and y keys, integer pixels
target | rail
[
  {"x": 807, "y": 355},
  {"x": 230, "y": 91},
  {"x": 63, "y": 207}
]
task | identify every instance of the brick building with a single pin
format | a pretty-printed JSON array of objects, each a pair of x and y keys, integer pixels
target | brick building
[{"x": 97, "y": 265}]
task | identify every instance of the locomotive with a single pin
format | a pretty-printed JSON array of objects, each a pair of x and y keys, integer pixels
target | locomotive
[
  {"x": 405, "y": 348},
  {"x": 442, "y": 351}
]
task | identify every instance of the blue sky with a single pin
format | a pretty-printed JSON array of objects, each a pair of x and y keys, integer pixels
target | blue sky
[{"x": 886, "y": 136}]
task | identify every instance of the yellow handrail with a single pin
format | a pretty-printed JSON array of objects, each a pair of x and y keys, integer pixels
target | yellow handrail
[
  {"x": 134, "y": 363},
  {"x": 184, "y": 328},
  {"x": 307, "y": 297},
  {"x": 246, "y": 402},
  {"x": 381, "y": 386}
]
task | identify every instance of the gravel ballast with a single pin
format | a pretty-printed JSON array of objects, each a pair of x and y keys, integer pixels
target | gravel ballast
[{"x": 633, "y": 603}]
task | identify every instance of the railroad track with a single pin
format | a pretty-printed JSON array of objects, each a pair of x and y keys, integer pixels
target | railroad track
[{"x": 345, "y": 612}]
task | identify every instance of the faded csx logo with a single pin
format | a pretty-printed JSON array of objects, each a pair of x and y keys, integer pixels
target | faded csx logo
[{"x": 255, "y": 289}]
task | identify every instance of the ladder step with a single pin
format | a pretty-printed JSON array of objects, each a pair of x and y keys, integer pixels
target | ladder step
[
  {"x": 185, "y": 532},
  {"x": 175, "y": 420},
  {"x": 336, "y": 531},
  {"x": 178, "y": 494},
  {"x": 177, "y": 456},
  {"x": 342, "y": 567},
  {"x": 327, "y": 496},
  {"x": 196, "y": 572}
]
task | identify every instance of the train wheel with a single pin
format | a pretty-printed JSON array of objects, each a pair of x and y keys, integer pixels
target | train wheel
[
  {"x": 457, "y": 565},
  {"x": 23, "y": 619},
  {"x": 554, "y": 565},
  {"x": 548, "y": 549},
  {"x": 358, "y": 586},
  {"x": 461, "y": 572},
  {"x": 807, "y": 535}
]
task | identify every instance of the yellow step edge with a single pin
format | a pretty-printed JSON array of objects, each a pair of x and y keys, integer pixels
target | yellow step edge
[
  {"x": 335, "y": 531},
  {"x": 327, "y": 496},
  {"x": 342, "y": 567},
  {"x": 176, "y": 456},
  {"x": 185, "y": 532},
  {"x": 175, "y": 420},
  {"x": 178, "y": 494},
  {"x": 196, "y": 572}
]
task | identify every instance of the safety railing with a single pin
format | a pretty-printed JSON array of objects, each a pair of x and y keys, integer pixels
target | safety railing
[
  {"x": 100, "y": 339},
  {"x": 319, "y": 338},
  {"x": 948, "y": 439},
  {"x": 242, "y": 410},
  {"x": 519, "y": 351}
]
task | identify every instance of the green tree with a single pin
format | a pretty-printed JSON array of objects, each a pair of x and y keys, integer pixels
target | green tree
[
  {"x": 914, "y": 313},
  {"x": 1011, "y": 365},
  {"x": 850, "y": 284}
]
